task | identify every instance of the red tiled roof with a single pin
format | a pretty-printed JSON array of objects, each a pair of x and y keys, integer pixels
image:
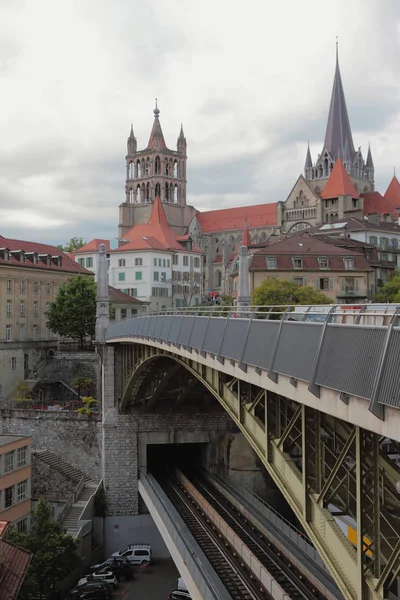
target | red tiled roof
[
  {"x": 93, "y": 246},
  {"x": 14, "y": 563},
  {"x": 154, "y": 235},
  {"x": 227, "y": 219},
  {"x": 339, "y": 183},
  {"x": 68, "y": 263},
  {"x": 120, "y": 296},
  {"x": 375, "y": 203},
  {"x": 393, "y": 192}
]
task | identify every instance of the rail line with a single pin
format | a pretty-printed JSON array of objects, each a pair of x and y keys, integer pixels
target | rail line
[
  {"x": 239, "y": 582},
  {"x": 290, "y": 579}
]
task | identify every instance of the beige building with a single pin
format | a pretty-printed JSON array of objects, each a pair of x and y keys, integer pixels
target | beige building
[
  {"x": 15, "y": 480},
  {"x": 30, "y": 275},
  {"x": 345, "y": 276}
]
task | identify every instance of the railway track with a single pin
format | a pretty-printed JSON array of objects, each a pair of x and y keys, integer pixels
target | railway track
[
  {"x": 237, "y": 579},
  {"x": 289, "y": 578}
]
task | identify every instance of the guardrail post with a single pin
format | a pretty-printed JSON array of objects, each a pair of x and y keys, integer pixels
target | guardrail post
[
  {"x": 312, "y": 386},
  {"x": 242, "y": 365},
  {"x": 271, "y": 373},
  {"x": 220, "y": 358},
  {"x": 211, "y": 315}
]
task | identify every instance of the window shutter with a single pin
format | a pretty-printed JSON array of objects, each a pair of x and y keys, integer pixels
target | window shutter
[
  {"x": 331, "y": 283},
  {"x": 305, "y": 282},
  {"x": 316, "y": 284},
  {"x": 356, "y": 285},
  {"x": 343, "y": 284}
]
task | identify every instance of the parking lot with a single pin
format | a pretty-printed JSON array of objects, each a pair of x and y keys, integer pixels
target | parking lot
[{"x": 155, "y": 582}]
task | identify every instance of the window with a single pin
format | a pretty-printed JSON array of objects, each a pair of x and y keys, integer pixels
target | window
[
  {"x": 22, "y": 287},
  {"x": 159, "y": 292},
  {"x": 373, "y": 240},
  {"x": 175, "y": 259},
  {"x": 8, "y": 497},
  {"x": 168, "y": 263},
  {"x": 159, "y": 262},
  {"x": 163, "y": 276},
  {"x": 81, "y": 261},
  {"x": 9, "y": 308},
  {"x": 393, "y": 243},
  {"x": 21, "y": 456},
  {"x": 297, "y": 263},
  {"x": 35, "y": 308},
  {"x": 22, "y": 525},
  {"x": 35, "y": 287},
  {"x": 298, "y": 281},
  {"x": 22, "y": 308},
  {"x": 349, "y": 285},
  {"x": 89, "y": 262},
  {"x": 155, "y": 262},
  {"x": 112, "y": 316},
  {"x": 156, "y": 276},
  {"x": 48, "y": 289},
  {"x": 21, "y": 490},
  {"x": 185, "y": 261},
  {"x": 323, "y": 263},
  {"x": 35, "y": 332},
  {"x": 348, "y": 263},
  {"x": 355, "y": 202},
  {"x": 138, "y": 275},
  {"x": 9, "y": 285},
  {"x": 121, "y": 262},
  {"x": 22, "y": 332},
  {"x": 384, "y": 256},
  {"x": 164, "y": 263},
  {"x": 9, "y": 462},
  {"x": 8, "y": 333},
  {"x": 138, "y": 262},
  {"x": 121, "y": 276},
  {"x": 13, "y": 362},
  {"x": 271, "y": 262},
  {"x": 324, "y": 283},
  {"x": 196, "y": 262},
  {"x": 123, "y": 313}
]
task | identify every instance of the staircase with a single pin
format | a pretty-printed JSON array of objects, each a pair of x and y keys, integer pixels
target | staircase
[
  {"x": 78, "y": 500},
  {"x": 62, "y": 466}
]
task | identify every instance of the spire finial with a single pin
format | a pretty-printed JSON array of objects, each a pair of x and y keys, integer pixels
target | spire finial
[
  {"x": 337, "y": 49},
  {"x": 156, "y": 110}
]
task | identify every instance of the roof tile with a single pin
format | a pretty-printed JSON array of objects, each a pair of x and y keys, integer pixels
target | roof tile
[
  {"x": 228, "y": 219},
  {"x": 339, "y": 183}
]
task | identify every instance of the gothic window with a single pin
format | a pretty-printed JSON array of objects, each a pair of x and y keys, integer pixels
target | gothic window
[
  {"x": 167, "y": 192},
  {"x": 176, "y": 194},
  {"x": 131, "y": 170},
  {"x": 158, "y": 190},
  {"x": 143, "y": 167},
  {"x": 132, "y": 196},
  {"x": 148, "y": 192},
  {"x": 166, "y": 167},
  {"x": 157, "y": 166},
  {"x": 139, "y": 169},
  {"x": 138, "y": 198},
  {"x": 147, "y": 166},
  {"x": 218, "y": 279},
  {"x": 176, "y": 169}
]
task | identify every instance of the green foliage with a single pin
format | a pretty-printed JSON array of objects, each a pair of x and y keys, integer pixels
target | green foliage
[
  {"x": 22, "y": 394},
  {"x": 390, "y": 291},
  {"x": 89, "y": 404},
  {"x": 280, "y": 292},
  {"x": 54, "y": 552},
  {"x": 73, "y": 245},
  {"x": 73, "y": 312},
  {"x": 84, "y": 385}
]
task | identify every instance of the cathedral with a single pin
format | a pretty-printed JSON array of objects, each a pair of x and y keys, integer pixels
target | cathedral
[{"x": 339, "y": 184}]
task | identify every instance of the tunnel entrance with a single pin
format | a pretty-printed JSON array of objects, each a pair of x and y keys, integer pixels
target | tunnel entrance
[{"x": 165, "y": 457}]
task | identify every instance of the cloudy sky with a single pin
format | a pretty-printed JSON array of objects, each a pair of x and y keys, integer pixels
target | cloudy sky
[{"x": 251, "y": 82}]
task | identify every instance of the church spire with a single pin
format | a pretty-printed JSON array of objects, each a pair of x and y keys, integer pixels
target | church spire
[
  {"x": 338, "y": 135},
  {"x": 132, "y": 142},
  {"x": 369, "y": 163},
  {"x": 308, "y": 157},
  {"x": 181, "y": 143},
  {"x": 156, "y": 140}
]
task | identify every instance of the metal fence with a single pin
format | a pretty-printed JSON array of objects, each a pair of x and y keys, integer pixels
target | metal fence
[{"x": 352, "y": 349}]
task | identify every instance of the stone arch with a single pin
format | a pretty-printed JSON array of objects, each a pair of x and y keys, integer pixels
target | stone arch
[
  {"x": 176, "y": 169},
  {"x": 157, "y": 166},
  {"x": 166, "y": 167},
  {"x": 176, "y": 194},
  {"x": 148, "y": 167},
  {"x": 132, "y": 170},
  {"x": 166, "y": 192},
  {"x": 138, "y": 193},
  {"x": 158, "y": 190},
  {"x": 148, "y": 192},
  {"x": 139, "y": 169}
]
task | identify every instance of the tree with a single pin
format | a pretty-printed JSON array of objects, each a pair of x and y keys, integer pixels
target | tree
[
  {"x": 186, "y": 283},
  {"x": 22, "y": 394},
  {"x": 73, "y": 245},
  {"x": 54, "y": 552},
  {"x": 73, "y": 312},
  {"x": 390, "y": 291},
  {"x": 90, "y": 404},
  {"x": 279, "y": 292},
  {"x": 84, "y": 385}
]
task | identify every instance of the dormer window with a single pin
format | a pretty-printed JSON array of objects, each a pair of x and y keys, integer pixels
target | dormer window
[
  {"x": 348, "y": 263},
  {"x": 5, "y": 253},
  {"x": 22, "y": 256},
  {"x": 19, "y": 255},
  {"x": 271, "y": 262},
  {"x": 297, "y": 262},
  {"x": 32, "y": 257},
  {"x": 323, "y": 263},
  {"x": 55, "y": 260}
]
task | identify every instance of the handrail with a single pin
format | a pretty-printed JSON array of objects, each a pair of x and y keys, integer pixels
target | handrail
[{"x": 72, "y": 498}]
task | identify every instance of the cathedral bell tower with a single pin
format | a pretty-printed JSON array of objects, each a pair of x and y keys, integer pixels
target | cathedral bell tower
[{"x": 154, "y": 172}]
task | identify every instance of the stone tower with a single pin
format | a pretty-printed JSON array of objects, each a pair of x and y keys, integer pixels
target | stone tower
[
  {"x": 339, "y": 144},
  {"x": 154, "y": 172}
]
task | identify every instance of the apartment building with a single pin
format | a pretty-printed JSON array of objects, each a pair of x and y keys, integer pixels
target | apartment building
[{"x": 15, "y": 480}]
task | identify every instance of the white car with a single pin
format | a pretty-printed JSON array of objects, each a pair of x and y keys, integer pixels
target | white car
[
  {"x": 104, "y": 575},
  {"x": 137, "y": 554}
]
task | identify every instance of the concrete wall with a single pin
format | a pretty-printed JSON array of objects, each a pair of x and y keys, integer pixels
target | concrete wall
[
  {"x": 73, "y": 437},
  {"x": 119, "y": 531}
]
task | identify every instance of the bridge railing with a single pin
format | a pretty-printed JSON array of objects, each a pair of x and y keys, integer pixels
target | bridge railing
[{"x": 352, "y": 349}]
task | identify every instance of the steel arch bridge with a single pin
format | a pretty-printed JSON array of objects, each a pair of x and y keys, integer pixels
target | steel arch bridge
[{"x": 317, "y": 459}]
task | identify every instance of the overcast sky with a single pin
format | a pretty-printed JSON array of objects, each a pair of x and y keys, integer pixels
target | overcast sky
[{"x": 251, "y": 82}]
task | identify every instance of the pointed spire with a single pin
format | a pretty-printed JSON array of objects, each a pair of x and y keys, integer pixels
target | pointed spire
[
  {"x": 393, "y": 192},
  {"x": 369, "y": 162},
  {"x": 339, "y": 183},
  {"x": 308, "y": 158},
  {"x": 338, "y": 131},
  {"x": 132, "y": 142},
  {"x": 246, "y": 241},
  {"x": 156, "y": 140}
]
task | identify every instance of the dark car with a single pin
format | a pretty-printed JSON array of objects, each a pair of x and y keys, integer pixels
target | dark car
[
  {"x": 122, "y": 569},
  {"x": 179, "y": 595},
  {"x": 92, "y": 595},
  {"x": 96, "y": 587}
]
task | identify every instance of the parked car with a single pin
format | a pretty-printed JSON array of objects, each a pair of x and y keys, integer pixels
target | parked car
[
  {"x": 179, "y": 595},
  {"x": 137, "y": 554},
  {"x": 121, "y": 568},
  {"x": 101, "y": 588},
  {"x": 103, "y": 575}
]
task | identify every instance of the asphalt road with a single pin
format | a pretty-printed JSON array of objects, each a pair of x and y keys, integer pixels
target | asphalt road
[{"x": 154, "y": 583}]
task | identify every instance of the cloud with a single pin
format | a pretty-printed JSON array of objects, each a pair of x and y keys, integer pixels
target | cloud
[{"x": 251, "y": 84}]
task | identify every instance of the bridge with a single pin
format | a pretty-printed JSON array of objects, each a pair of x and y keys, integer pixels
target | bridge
[{"x": 316, "y": 393}]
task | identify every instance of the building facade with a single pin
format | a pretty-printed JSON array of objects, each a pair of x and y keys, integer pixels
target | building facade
[
  {"x": 30, "y": 275},
  {"x": 15, "y": 480}
]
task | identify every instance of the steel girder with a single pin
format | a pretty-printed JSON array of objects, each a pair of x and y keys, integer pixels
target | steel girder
[{"x": 315, "y": 460}]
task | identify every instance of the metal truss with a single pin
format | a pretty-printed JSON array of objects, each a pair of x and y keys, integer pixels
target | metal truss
[{"x": 316, "y": 461}]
